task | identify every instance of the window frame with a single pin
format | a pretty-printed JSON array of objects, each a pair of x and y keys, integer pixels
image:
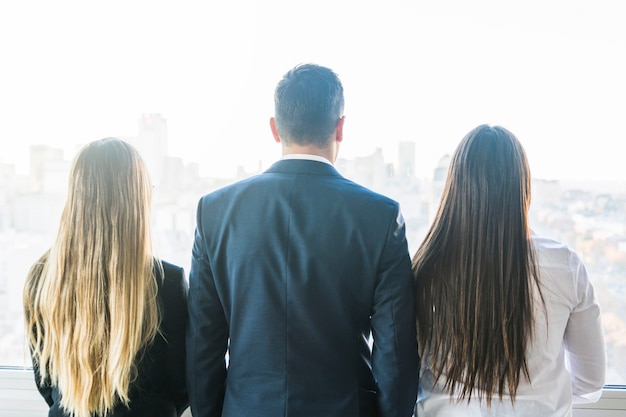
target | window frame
[{"x": 19, "y": 397}]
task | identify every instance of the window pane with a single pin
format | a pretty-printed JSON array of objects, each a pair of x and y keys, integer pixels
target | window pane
[
  {"x": 417, "y": 77},
  {"x": 590, "y": 216}
]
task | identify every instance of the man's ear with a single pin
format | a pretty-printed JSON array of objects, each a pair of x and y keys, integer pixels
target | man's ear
[
  {"x": 274, "y": 130},
  {"x": 339, "y": 129}
]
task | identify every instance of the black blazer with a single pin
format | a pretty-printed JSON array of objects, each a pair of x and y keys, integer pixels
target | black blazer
[
  {"x": 292, "y": 271},
  {"x": 159, "y": 390}
]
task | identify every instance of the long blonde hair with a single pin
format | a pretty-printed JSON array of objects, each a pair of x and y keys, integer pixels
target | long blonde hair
[{"x": 90, "y": 302}]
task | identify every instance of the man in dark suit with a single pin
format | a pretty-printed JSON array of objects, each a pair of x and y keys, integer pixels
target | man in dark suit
[{"x": 294, "y": 272}]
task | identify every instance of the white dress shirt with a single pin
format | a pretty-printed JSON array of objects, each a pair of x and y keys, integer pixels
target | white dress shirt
[
  {"x": 566, "y": 360},
  {"x": 306, "y": 156}
]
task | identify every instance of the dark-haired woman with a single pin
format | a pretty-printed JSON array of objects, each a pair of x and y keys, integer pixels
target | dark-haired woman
[{"x": 508, "y": 324}]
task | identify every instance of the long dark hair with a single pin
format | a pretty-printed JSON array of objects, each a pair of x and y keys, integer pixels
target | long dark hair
[{"x": 476, "y": 269}]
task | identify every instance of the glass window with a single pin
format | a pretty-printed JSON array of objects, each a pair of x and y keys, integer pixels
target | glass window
[{"x": 191, "y": 84}]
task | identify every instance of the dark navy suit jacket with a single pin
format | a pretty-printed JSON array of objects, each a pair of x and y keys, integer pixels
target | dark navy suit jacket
[{"x": 292, "y": 271}]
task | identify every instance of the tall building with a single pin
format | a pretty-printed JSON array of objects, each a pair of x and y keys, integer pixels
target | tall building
[
  {"x": 8, "y": 187},
  {"x": 369, "y": 170},
  {"x": 439, "y": 181},
  {"x": 37, "y": 207},
  {"x": 406, "y": 159},
  {"x": 48, "y": 169},
  {"x": 151, "y": 142}
]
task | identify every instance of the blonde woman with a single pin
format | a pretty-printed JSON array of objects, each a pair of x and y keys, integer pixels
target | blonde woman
[
  {"x": 500, "y": 310},
  {"x": 105, "y": 318}
]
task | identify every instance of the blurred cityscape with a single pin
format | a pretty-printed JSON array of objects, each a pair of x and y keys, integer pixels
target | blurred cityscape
[{"x": 590, "y": 217}]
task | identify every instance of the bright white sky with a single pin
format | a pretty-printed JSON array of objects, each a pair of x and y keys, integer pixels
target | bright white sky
[{"x": 553, "y": 72}]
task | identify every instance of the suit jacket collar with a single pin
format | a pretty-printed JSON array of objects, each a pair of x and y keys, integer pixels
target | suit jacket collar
[{"x": 302, "y": 166}]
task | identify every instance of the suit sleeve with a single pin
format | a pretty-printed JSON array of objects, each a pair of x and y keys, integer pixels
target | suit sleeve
[
  {"x": 395, "y": 359},
  {"x": 207, "y": 334},
  {"x": 584, "y": 340},
  {"x": 175, "y": 321}
]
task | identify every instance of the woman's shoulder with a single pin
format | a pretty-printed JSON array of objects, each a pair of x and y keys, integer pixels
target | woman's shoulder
[
  {"x": 172, "y": 270},
  {"x": 551, "y": 252},
  {"x": 561, "y": 269},
  {"x": 173, "y": 283},
  {"x": 167, "y": 271}
]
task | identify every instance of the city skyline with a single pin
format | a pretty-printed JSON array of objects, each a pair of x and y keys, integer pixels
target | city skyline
[
  {"x": 417, "y": 76},
  {"x": 21, "y": 161},
  {"x": 552, "y": 73}
]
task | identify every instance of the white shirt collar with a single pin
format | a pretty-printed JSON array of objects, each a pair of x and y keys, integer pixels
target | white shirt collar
[{"x": 307, "y": 157}]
